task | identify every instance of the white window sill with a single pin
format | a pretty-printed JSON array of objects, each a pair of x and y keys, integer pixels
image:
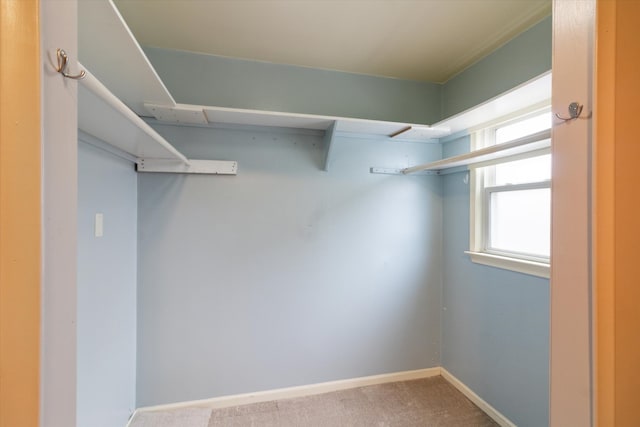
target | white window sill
[{"x": 533, "y": 268}]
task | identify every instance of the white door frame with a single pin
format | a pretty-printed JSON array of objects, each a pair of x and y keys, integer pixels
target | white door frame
[
  {"x": 570, "y": 334},
  {"x": 58, "y": 29}
]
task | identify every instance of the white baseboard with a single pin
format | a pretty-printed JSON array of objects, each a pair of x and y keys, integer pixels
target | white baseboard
[
  {"x": 300, "y": 391},
  {"x": 308, "y": 390},
  {"x": 477, "y": 400}
]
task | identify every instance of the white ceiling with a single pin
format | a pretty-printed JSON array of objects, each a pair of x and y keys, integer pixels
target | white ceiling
[{"x": 427, "y": 40}]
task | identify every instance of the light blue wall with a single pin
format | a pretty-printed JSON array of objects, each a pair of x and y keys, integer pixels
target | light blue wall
[
  {"x": 523, "y": 58},
  {"x": 495, "y": 324},
  {"x": 194, "y": 78},
  {"x": 106, "y": 289},
  {"x": 285, "y": 275}
]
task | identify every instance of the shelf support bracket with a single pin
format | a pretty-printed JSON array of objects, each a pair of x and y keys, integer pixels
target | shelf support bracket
[
  {"x": 207, "y": 167},
  {"x": 398, "y": 171},
  {"x": 329, "y": 136}
]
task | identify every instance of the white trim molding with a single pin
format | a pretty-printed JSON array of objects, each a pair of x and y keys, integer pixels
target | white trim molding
[
  {"x": 533, "y": 268},
  {"x": 477, "y": 400},
  {"x": 299, "y": 391},
  {"x": 313, "y": 389}
]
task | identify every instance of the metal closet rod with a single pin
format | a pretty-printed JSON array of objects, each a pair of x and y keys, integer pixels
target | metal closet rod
[
  {"x": 484, "y": 154},
  {"x": 94, "y": 85}
]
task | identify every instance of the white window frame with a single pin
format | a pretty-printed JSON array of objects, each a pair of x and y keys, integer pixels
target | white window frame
[{"x": 479, "y": 250}]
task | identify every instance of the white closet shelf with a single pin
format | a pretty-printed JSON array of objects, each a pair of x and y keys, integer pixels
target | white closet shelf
[
  {"x": 540, "y": 141},
  {"x": 332, "y": 126},
  {"x": 210, "y": 115},
  {"x": 536, "y": 91}
]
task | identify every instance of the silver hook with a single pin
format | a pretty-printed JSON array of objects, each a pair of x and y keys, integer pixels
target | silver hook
[
  {"x": 575, "y": 110},
  {"x": 63, "y": 60}
]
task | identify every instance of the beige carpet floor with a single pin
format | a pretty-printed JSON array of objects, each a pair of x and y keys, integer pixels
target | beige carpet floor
[
  {"x": 186, "y": 417},
  {"x": 425, "y": 402}
]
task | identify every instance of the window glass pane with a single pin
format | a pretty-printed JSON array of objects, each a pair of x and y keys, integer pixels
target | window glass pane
[
  {"x": 520, "y": 221},
  {"x": 523, "y": 128},
  {"x": 534, "y": 169}
]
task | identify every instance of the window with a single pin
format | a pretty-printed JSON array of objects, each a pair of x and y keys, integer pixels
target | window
[{"x": 511, "y": 199}]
